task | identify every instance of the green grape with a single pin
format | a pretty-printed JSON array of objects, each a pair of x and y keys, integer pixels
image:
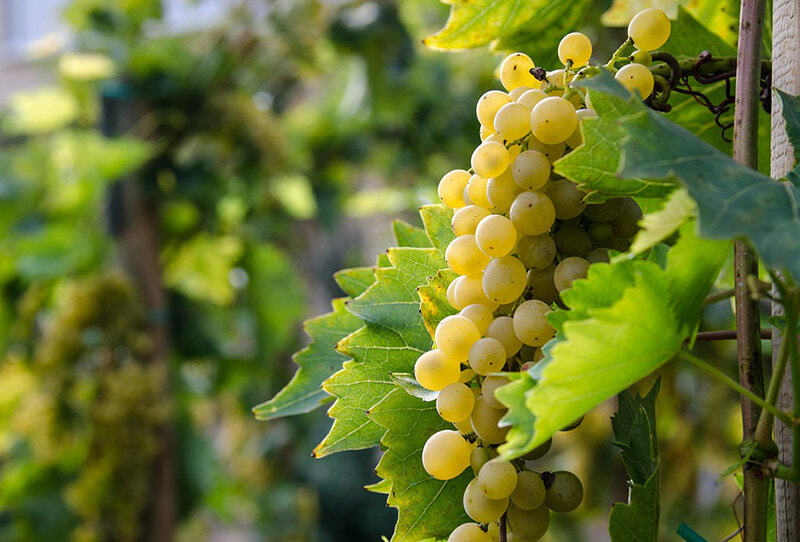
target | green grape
[
  {"x": 541, "y": 283},
  {"x": 642, "y": 57},
  {"x": 502, "y": 330},
  {"x": 531, "y": 170},
  {"x": 490, "y": 159},
  {"x": 552, "y": 152},
  {"x": 564, "y": 491},
  {"x": 540, "y": 451},
  {"x": 518, "y": 92},
  {"x": 530, "y": 323},
  {"x": 455, "y": 336},
  {"x": 469, "y": 532},
  {"x": 478, "y": 458},
  {"x": 605, "y": 212},
  {"x": 513, "y": 121},
  {"x": 467, "y": 201},
  {"x": 445, "y": 455},
  {"x": 469, "y": 291},
  {"x": 636, "y": 78},
  {"x": 598, "y": 255},
  {"x": 466, "y": 376},
  {"x": 575, "y": 49},
  {"x": 481, "y": 315},
  {"x": 571, "y": 240},
  {"x": 567, "y": 199},
  {"x": 515, "y": 71},
  {"x": 455, "y": 402},
  {"x": 490, "y": 384},
  {"x": 533, "y": 213},
  {"x": 536, "y": 251},
  {"x": 528, "y": 524},
  {"x": 476, "y": 189},
  {"x": 504, "y": 279},
  {"x": 556, "y": 77},
  {"x": 484, "y": 421},
  {"x": 553, "y": 120},
  {"x": 576, "y": 138},
  {"x": 627, "y": 223},
  {"x": 497, "y": 479},
  {"x": 530, "y": 492},
  {"x": 529, "y": 98},
  {"x": 489, "y": 104},
  {"x": 496, "y": 235},
  {"x": 501, "y": 191},
  {"x": 486, "y": 356},
  {"x": 466, "y": 219},
  {"x": 649, "y": 29},
  {"x": 451, "y": 188},
  {"x": 599, "y": 232},
  {"x": 464, "y": 426},
  {"x": 485, "y": 132},
  {"x": 451, "y": 295},
  {"x": 481, "y": 508},
  {"x": 464, "y": 257},
  {"x": 434, "y": 371},
  {"x": 569, "y": 270}
]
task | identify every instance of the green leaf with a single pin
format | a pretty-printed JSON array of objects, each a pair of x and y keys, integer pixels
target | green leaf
[
  {"x": 409, "y": 236},
  {"x": 437, "y": 221},
  {"x": 40, "y": 111},
  {"x": 790, "y": 109},
  {"x": 635, "y": 521},
  {"x": 383, "y": 487},
  {"x": 658, "y": 226},
  {"x": 412, "y": 387},
  {"x": 434, "y": 307},
  {"x": 689, "y": 37},
  {"x": 634, "y": 427},
  {"x": 356, "y": 280}
]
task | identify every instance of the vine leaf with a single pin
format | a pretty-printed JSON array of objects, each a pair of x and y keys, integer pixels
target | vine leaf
[
  {"x": 657, "y": 226},
  {"x": 636, "y": 521},
  {"x": 790, "y": 108}
]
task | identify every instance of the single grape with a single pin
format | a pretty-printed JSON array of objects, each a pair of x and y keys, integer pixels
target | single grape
[
  {"x": 605, "y": 212},
  {"x": 571, "y": 240},
  {"x": 599, "y": 232},
  {"x": 486, "y": 356},
  {"x": 489, "y": 104},
  {"x": 451, "y": 296},
  {"x": 530, "y": 323},
  {"x": 464, "y": 427},
  {"x": 484, "y": 422},
  {"x": 497, "y": 479},
  {"x": 515, "y": 71},
  {"x": 490, "y": 384},
  {"x": 569, "y": 270},
  {"x": 627, "y": 223},
  {"x": 642, "y": 57},
  {"x": 536, "y": 251},
  {"x": 478, "y": 458},
  {"x": 469, "y": 532},
  {"x": 528, "y": 524},
  {"x": 541, "y": 283},
  {"x": 567, "y": 199},
  {"x": 469, "y": 291},
  {"x": 636, "y": 78},
  {"x": 518, "y": 92},
  {"x": 649, "y": 29},
  {"x": 575, "y": 49},
  {"x": 502, "y": 330},
  {"x": 466, "y": 376},
  {"x": 530, "y": 492},
  {"x": 533, "y": 213},
  {"x": 576, "y": 138},
  {"x": 552, "y": 152},
  {"x": 481, "y": 508},
  {"x": 490, "y": 159},
  {"x": 445, "y": 455},
  {"x": 455, "y": 336},
  {"x": 531, "y": 170},
  {"x": 504, "y": 279},
  {"x": 434, "y": 371},
  {"x": 496, "y": 235},
  {"x": 466, "y": 219},
  {"x": 455, "y": 402},
  {"x": 598, "y": 255},
  {"x": 564, "y": 491},
  {"x": 501, "y": 191},
  {"x": 476, "y": 189},
  {"x": 451, "y": 188},
  {"x": 553, "y": 120},
  {"x": 556, "y": 77},
  {"x": 540, "y": 451},
  {"x": 481, "y": 315},
  {"x": 513, "y": 121},
  {"x": 464, "y": 257},
  {"x": 532, "y": 97},
  {"x": 485, "y": 131}
]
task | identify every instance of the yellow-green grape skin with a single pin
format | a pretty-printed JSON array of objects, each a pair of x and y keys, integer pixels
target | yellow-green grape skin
[
  {"x": 541, "y": 284},
  {"x": 476, "y": 189},
  {"x": 469, "y": 532},
  {"x": 464, "y": 257},
  {"x": 536, "y": 251},
  {"x": 455, "y": 402},
  {"x": 501, "y": 191},
  {"x": 569, "y": 270},
  {"x": 481, "y": 508},
  {"x": 490, "y": 159},
  {"x": 636, "y": 77},
  {"x": 600, "y": 232},
  {"x": 434, "y": 371},
  {"x": 575, "y": 49},
  {"x": 451, "y": 296},
  {"x": 553, "y": 120},
  {"x": 455, "y": 336},
  {"x": 540, "y": 451},
  {"x": 517, "y": 92},
  {"x": 598, "y": 255},
  {"x": 466, "y": 376},
  {"x": 464, "y": 427},
  {"x": 484, "y": 421},
  {"x": 512, "y": 121},
  {"x": 530, "y": 323},
  {"x": 502, "y": 330},
  {"x": 564, "y": 493},
  {"x": 504, "y": 279},
  {"x": 486, "y": 131},
  {"x": 451, "y": 188},
  {"x": 490, "y": 384},
  {"x": 496, "y": 235},
  {"x": 531, "y": 97},
  {"x": 576, "y": 139},
  {"x": 552, "y": 152},
  {"x": 466, "y": 219},
  {"x": 478, "y": 458},
  {"x": 528, "y": 524},
  {"x": 481, "y": 315},
  {"x": 469, "y": 290},
  {"x": 531, "y": 170},
  {"x": 497, "y": 479},
  {"x": 445, "y": 455},
  {"x": 532, "y": 213},
  {"x": 649, "y": 29},
  {"x": 530, "y": 492},
  {"x": 515, "y": 71},
  {"x": 627, "y": 223},
  {"x": 571, "y": 240},
  {"x": 486, "y": 356},
  {"x": 642, "y": 57},
  {"x": 605, "y": 212},
  {"x": 489, "y": 104},
  {"x": 567, "y": 199},
  {"x": 556, "y": 77}
]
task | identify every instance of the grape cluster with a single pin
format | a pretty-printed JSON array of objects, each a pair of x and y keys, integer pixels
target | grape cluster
[{"x": 523, "y": 235}]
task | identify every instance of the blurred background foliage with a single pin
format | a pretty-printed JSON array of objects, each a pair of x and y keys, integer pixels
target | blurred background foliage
[{"x": 275, "y": 147}]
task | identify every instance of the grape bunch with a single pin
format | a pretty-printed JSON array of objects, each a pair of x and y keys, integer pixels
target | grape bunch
[{"x": 523, "y": 235}]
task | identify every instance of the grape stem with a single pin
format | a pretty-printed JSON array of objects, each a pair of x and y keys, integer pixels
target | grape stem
[
  {"x": 502, "y": 529},
  {"x": 618, "y": 55}
]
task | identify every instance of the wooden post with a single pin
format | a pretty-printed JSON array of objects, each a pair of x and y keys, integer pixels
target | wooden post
[{"x": 785, "y": 76}]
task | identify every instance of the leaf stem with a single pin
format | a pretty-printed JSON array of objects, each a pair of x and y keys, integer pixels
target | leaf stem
[
  {"x": 719, "y": 296},
  {"x": 618, "y": 55}
]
